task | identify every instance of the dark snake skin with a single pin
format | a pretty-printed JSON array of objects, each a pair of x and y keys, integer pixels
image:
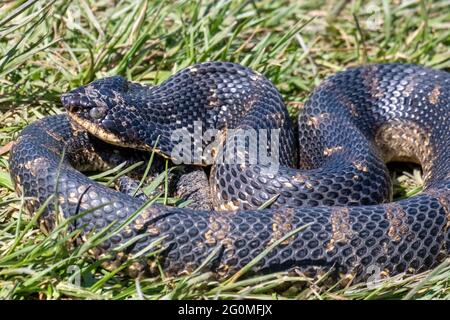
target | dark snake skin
[{"x": 352, "y": 124}]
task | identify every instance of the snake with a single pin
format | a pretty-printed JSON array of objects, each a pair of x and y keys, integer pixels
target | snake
[{"x": 321, "y": 204}]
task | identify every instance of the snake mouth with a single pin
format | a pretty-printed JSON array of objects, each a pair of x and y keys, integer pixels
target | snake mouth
[
  {"x": 79, "y": 107},
  {"x": 94, "y": 129},
  {"x": 99, "y": 132}
]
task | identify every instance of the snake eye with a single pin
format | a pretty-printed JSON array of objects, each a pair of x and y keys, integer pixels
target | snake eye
[{"x": 97, "y": 113}]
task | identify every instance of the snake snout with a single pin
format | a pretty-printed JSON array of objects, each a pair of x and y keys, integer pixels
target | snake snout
[{"x": 74, "y": 101}]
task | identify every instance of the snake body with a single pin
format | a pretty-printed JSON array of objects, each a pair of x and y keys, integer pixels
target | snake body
[{"x": 334, "y": 181}]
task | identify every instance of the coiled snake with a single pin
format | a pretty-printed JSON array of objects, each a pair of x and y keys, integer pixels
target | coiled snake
[{"x": 351, "y": 125}]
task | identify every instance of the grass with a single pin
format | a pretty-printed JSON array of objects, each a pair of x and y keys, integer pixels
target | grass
[{"x": 48, "y": 47}]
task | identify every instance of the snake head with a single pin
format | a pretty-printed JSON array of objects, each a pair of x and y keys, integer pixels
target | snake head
[{"x": 104, "y": 109}]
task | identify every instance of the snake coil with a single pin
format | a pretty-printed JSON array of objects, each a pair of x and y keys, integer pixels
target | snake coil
[{"x": 351, "y": 125}]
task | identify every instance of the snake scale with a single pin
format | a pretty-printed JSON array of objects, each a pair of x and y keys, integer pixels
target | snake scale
[{"x": 331, "y": 176}]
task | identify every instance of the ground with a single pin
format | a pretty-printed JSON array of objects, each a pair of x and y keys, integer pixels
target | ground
[{"x": 48, "y": 47}]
